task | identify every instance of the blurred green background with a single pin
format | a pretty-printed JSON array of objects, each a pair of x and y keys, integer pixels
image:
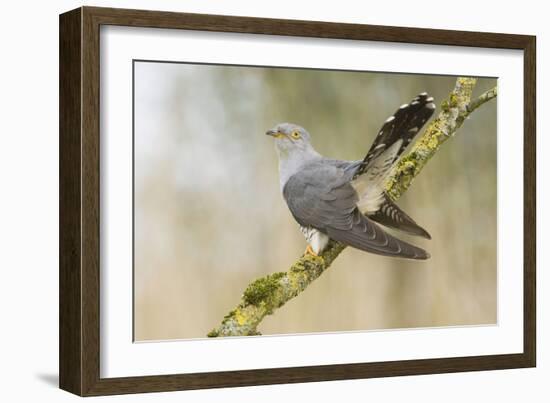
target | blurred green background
[{"x": 209, "y": 216}]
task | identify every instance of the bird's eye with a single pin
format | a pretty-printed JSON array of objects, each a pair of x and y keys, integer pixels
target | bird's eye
[{"x": 295, "y": 135}]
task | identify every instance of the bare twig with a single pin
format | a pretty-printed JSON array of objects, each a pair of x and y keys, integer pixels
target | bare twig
[{"x": 263, "y": 296}]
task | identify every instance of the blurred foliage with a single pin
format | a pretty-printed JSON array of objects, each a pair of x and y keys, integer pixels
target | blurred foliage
[{"x": 209, "y": 216}]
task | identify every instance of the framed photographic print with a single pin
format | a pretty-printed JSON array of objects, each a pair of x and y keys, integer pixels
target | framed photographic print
[{"x": 250, "y": 201}]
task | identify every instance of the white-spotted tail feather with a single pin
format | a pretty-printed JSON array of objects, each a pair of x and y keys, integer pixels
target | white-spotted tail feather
[
  {"x": 370, "y": 185},
  {"x": 369, "y": 180}
]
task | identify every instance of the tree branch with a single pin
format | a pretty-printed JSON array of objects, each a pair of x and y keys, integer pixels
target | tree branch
[
  {"x": 263, "y": 296},
  {"x": 485, "y": 97},
  {"x": 454, "y": 111}
]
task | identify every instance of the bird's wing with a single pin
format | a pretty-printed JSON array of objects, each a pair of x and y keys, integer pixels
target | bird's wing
[
  {"x": 368, "y": 236},
  {"x": 393, "y": 138},
  {"x": 322, "y": 197},
  {"x": 390, "y": 215}
]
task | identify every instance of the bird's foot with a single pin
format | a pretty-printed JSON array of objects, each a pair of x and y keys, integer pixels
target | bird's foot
[{"x": 309, "y": 251}]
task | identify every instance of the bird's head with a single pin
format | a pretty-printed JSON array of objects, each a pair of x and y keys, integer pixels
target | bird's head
[{"x": 291, "y": 139}]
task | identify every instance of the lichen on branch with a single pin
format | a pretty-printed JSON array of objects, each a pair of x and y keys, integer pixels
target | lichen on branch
[
  {"x": 454, "y": 112},
  {"x": 264, "y": 295}
]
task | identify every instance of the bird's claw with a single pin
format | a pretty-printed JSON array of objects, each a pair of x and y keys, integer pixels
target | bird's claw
[{"x": 309, "y": 251}]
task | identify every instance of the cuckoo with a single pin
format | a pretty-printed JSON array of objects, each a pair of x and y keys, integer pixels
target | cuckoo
[{"x": 346, "y": 200}]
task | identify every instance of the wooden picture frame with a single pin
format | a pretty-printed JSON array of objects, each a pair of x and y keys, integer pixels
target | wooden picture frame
[{"x": 79, "y": 346}]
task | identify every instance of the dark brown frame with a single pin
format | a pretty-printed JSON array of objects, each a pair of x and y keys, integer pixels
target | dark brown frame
[{"x": 79, "y": 201}]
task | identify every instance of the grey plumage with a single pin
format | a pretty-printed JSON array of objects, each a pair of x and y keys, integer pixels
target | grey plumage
[{"x": 341, "y": 200}]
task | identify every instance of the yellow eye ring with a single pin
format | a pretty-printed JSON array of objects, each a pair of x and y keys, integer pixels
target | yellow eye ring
[{"x": 295, "y": 135}]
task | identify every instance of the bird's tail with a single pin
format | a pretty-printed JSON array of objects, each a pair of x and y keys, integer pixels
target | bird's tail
[
  {"x": 396, "y": 134},
  {"x": 372, "y": 173}
]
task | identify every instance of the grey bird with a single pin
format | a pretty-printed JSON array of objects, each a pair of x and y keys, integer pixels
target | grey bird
[{"x": 346, "y": 200}]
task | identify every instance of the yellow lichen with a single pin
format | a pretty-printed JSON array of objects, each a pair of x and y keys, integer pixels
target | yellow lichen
[{"x": 239, "y": 317}]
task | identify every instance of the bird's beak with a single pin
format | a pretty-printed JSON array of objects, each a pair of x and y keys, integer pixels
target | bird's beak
[{"x": 274, "y": 133}]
